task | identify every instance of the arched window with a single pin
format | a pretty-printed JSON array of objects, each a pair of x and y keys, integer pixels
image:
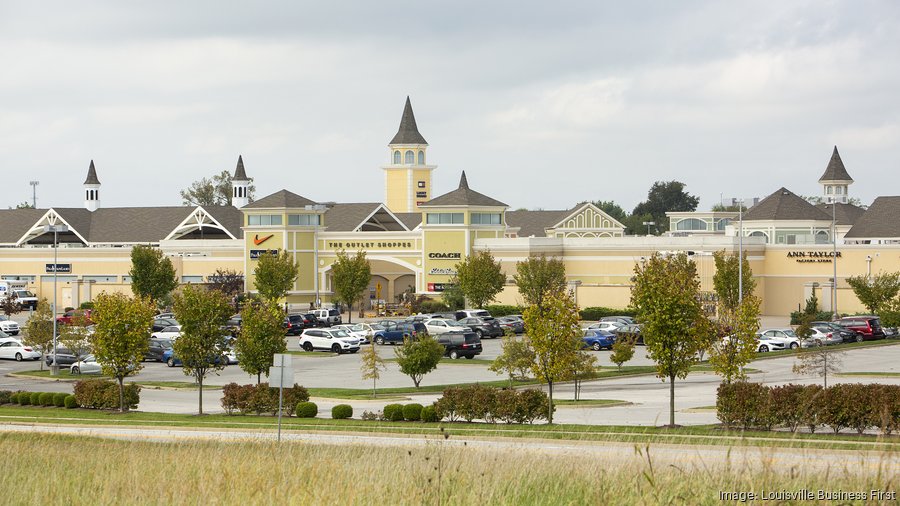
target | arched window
[
  {"x": 828, "y": 190},
  {"x": 421, "y": 158},
  {"x": 691, "y": 224},
  {"x": 838, "y": 190},
  {"x": 822, "y": 237},
  {"x": 397, "y": 159},
  {"x": 760, "y": 234},
  {"x": 721, "y": 224},
  {"x": 410, "y": 157}
]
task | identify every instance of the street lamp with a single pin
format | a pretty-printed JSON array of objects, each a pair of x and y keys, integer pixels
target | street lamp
[
  {"x": 834, "y": 258},
  {"x": 56, "y": 229},
  {"x": 34, "y": 185},
  {"x": 741, "y": 252},
  {"x": 648, "y": 224}
]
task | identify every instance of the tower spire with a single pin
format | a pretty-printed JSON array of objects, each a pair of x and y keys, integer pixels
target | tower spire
[
  {"x": 463, "y": 182},
  {"x": 92, "y": 189},
  {"x": 239, "y": 174},
  {"x": 240, "y": 185},
  {"x": 408, "y": 133},
  {"x": 92, "y": 175}
]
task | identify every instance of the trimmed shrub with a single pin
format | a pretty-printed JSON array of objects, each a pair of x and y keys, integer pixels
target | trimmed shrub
[
  {"x": 260, "y": 398},
  {"x": 70, "y": 402},
  {"x": 498, "y": 310},
  {"x": 5, "y": 396},
  {"x": 412, "y": 412},
  {"x": 13, "y": 398},
  {"x": 534, "y": 405},
  {"x": 433, "y": 306},
  {"x": 235, "y": 398},
  {"x": 835, "y": 411},
  {"x": 46, "y": 399},
  {"x": 342, "y": 412},
  {"x": 429, "y": 414},
  {"x": 448, "y": 406},
  {"x": 103, "y": 394},
  {"x": 292, "y": 396},
  {"x": 393, "y": 412},
  {"x": 476, "y": 403},
  {"x": 811, "y": 399},
  {"x": 24, "y": 398},
  {"x": 507, "y": 407},
  {"x": 59, "y": 399},
  {"x": 86, "y": 305},
  {"x": 595, "y": 313},
  {"x": 859, "y": 405},
  {"x": 786, "y": 405},
  {"x": 797, "y": 316},
  {"x": 307, "y": 410},
  {"x": 886, "y": 410},
  {"x": 35, "y": 398}
]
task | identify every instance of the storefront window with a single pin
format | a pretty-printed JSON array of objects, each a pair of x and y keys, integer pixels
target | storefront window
[
  {"x": 691, "y": 224},
  {"x": 444, "y": 218},
  {"x": 304, "y": 219},
  {"x": 264, "y": 219},
  {"x": 486, "y": 218}
]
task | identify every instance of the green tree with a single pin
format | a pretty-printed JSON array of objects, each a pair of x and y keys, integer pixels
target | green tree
[
  {"x": 720, "y": 208},
  {"x": 228, "y": 281},
  {"x": 666, "y": 295},
  {"x": 350, "y": 277},
  {"x": 215, "y": 191},
  {"x": 9, "y": 303},
  {"x": 480, "y": 278},
  {"x": 634, "y": 224},
  {"x": 611, "y": 208},
  {"x": 584, "y": 366},
  {"x": 260, "y": 338},
  {"x": 419, "y": 357},
  {"x": 537, "y": 277},
  {"x": 666, "y": 196},
  {"x": 39, "y": 329},
  {"x": 24, "y": 205},
  {"x": 76, "y": 336},
  {"x": 875, "y": 291},
  {"x": 515, "y": 360},
  {"x": 275, "y": 275},
  {"x": 152, "y": 274},
  {"x": 372, "y": 366},
  {"x": 453, "y": 296},
  {"x": 819, "y": 361},
  {"x": 121, "y": 336},
  {"x": 731, "y": 354},
  {"x": 622, "y": 351},
  {"x": 202, "y": 314},
  {"x": 725, "y": 280},
  {"x": 555, "y": 337}
]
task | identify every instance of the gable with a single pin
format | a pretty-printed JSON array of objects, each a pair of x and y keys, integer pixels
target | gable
[{"x": 588, "y": 217}]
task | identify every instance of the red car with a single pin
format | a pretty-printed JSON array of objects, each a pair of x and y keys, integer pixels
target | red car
[
  {"x": 869, "y": 327},
  {"x": 68, "y": 317}
]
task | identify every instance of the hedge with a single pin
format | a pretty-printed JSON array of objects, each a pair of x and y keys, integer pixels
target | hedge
[
  {"x": 342, "y": 411},
  {"x": 856, "y": 406},
  {"x": 24, "y": 398},
  {"x": 412, "y": 412},
  {"x": 434, "y": 306},
  {"x": 822, "y": 316},
  {"x": 478, "y": 402},
  {"x": 429, "y": 414},
  {"x": 70, "y": 402},
  {"x": 307, "y": 410},
  {"x": 595, "y": 313},
  {"x": 13, "y": 398},
  {"x": 34, "y": 398},
  {"x": 498, "y": 310},
  {"x": 6, "y": 396},
  {"x": 393, "y": 412},
  {"x": 59, "y": 399},
  {"x": 103, "y": 394},
  {"x": 260, "y": 398}
]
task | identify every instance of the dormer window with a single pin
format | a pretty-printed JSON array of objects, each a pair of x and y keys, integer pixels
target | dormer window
[
  {"x": 397, "y": 159},
  {"x": 421, "y": 157},
  {"x": 410, "y": 157},
  {"x": 828, "y": 190}
]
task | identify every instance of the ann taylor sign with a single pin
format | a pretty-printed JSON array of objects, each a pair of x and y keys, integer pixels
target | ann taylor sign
[{"x": 813, "y": 256}]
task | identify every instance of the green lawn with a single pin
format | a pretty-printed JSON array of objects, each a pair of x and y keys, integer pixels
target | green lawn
[
  {"x": 65, "y": 376},
  {"x": 590, "y": 403},
  {"x": 844, "y": 347},
  {"x": 871, "y": 373}
]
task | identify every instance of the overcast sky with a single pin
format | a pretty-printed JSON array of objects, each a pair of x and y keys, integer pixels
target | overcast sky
[{"x": 543, "y": 104}]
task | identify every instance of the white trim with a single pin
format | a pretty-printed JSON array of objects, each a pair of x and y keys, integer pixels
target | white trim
[
  {"x": 196, "y": 216},
  {"x": 373, "y": 213},
  {"x": 51, "y": 216}
]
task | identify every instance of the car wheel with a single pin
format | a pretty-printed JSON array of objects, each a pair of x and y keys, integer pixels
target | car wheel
[
  {"x": 454, "y": 354},
  {"x": 479, "y": 333},
  {"x": 596, "y": 347},
  {"x": 859, "y": 338},
  {"x": 336, "y": 348},
  {"x": 379, "y": 340},
  {"x": 223, "y": 360},
  {"x": 170, "y": 362},
  {"x": 794, "y": 346},
  {"x": 818, "y": 342},
  {"x": 18, "y": 357},
  {"x": 763, "y": 349},
  {"x": 470, "y": 357},
  {"x": 76, "y": 370},
  {"x": 307, "y": 346}
]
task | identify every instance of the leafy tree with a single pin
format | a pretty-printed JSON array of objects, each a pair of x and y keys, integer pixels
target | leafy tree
[
  {"x": 417, "y": 358},
  {"x": 812, "y": 305},
  {"x": 725, "y": 280},
  {"x": 516, "y": 359},
  {"x": 634, "y": 224},
  {"x": 212, "y": 192},
  {"x": 39, "y": 329},
  {"x": 611, "y": 208},
  {"x": 202, "y": 313},
  {"x": 480, "y": 278},
  {"x": 584, "y": 366},
  {"x": 152, "y": 274},
  {"x": 622, "y": 350},
  {"x": 453, "y": 296},
  {"x": 350, "y": 277},
  {"x": 372, "y": 366},
  {"x": 76, "y": 336},
  {"x": 9, "y": 303},
  {"x": 260, "y": 338},
  {"x": 555, "y": 337},
  {"x": 275, "y": 275},
  {"x": 720, "y": 208},
  {"x": 890, "y": 314},
  {"x": 666, "y": 295},
  {"x": 537, "y": 277},
  {"x": 666, "y": 196},
  {"x": 875, "y": 291},
  {"x": 819, "y": 361},
  {"x": 121, "y": 336},
  {"x": 24, "y": 205},
  {"x": 729, "y": 356},
  {"x": 228, "y": 281}
]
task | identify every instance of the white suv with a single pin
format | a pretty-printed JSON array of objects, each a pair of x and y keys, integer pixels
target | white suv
[
  {"x": 327, "y": 316},
  {"x": 334, "y": 340},
  {"x": 8, "y": 326}
]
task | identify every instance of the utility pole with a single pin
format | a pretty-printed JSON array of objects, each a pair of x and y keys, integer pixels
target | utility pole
[
  {"x": 34, "y": 185},
  {"x": 741, "y": 252}
]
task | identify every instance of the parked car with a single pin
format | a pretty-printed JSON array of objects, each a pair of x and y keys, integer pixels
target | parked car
[
  {"x": 172, "y": 360},
  {"x": 847, "y": 335},
  {"x": 294, "y": 324},
  {"x": 69, "y": 316},
  {"x": 334, "y": 340},
  {"x": 361, "y": 331},
  {"x": 442, "y": 326},
  {"x": 868, "y": 326},
  {"x": 472, "y": 313},
  {"x": 825, "y": 336},
  {"x": 607, "y": 326},
  {"x": 233, "y": 325},
  {"x": 631, "y": 331},
  {"x": 514, "y": 324},
  {"x": 395, "y": 332},
  {"x": 170, "y": 333},
  {"x": 13, "y": 348},
  {"x": 158, "y": 347},
  {"x": 311, "y": 320},
  {"x": 87, "y": 365},
  {"x": 624, "y": 320},
  {"x": 777, "y": 339},
  {"x": 460, "y": 344},
  {"x": 8, "y": 326},
  {"x": 483, "y": 326},
  {"x": 64, "y": 357},
  {"x": 160, "y": 323},
  {"x": 597, "y": 339},
  {"x": 328, "y": 317},
  {"x": 165, "y": 315}
]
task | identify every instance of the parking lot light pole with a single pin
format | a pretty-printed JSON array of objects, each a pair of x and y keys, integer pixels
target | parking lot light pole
[
  {"x": 56, "y": 229},
  {"x": 834, "y": 258},
  {"x": 648, "y": 224}
]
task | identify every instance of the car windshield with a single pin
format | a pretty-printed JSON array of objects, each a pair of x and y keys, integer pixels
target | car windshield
[
  {"x": 340, "y": 333},
  {"x": 3, "y": 318},
  {"x": 482, "y": 314},
  {"x": 789, "y": 333},
  {"x": 88, "y": 358},
  {"x": 166, "y": 345},
  {"x": 24, "y": 293},
  {"x": 377, "y": 326},
  {"x": 357, "y": 327}
]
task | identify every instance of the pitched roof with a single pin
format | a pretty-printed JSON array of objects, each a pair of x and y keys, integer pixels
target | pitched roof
[
  {"x": 347, "y": 217},
  {"x": 844, "y": 214},
  {"x": 408, "y": 133},
  {"x": 785, "y": 205},
  {"x": 534, "y": 223},
  {"x": 92, "y": 175},
  {"x": 463, "y": 196},
  {"x": 835, "y": 170},
  {"x": 280, "y": 199},
  {"x": 411, "y": 220},
  {"x": 239, "y": 174},
  {"x": 879, "y": 221},
  {"x": 15, "y": 222}
]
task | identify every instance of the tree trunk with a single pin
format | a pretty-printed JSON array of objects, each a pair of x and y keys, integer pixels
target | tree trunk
[
  {"x": 200, "y": 391},
  {"x": 374, "y": 391},
  {"x": 672, "y": 400},
  {"x": 550, "y": 407},
  {"x": 349, "y": 313},
  {"x": 258, "y": 377},
  {"x": 122, "y": 407}
]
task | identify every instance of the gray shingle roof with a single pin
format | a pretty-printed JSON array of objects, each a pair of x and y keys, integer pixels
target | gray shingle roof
[
  {"x": 463, "y": 196},
  {"x": 239, "y": 174},
  {"x": 281, "y": 199},
  {"x": 411, "y": 220},
  {"x": 347, "y": 217},
  {"x": 408, "y": 133},
  {"x": 92, "y": 175},
  {"x": 844, "y": 214},
  {"x": 534, "y": 223},
  {"x": 835, "y": 170},
  {"x": 880, "y": 221},
  {"x": 785, "y": 205},
  {"x": 15, "y": 222}
]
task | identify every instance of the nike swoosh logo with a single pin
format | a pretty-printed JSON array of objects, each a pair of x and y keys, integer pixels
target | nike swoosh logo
[{"x": 257, "y": 241}]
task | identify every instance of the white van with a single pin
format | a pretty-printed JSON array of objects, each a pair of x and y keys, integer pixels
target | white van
[{"x": 24, "y": 297}]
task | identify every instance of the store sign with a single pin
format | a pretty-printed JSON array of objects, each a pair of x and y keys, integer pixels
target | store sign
[
  {"x": 453, "y": 256},
  {"x": 255, "y": 253},
  {"x": 437, "y": 271},
  {"x": 439, "y": 287},
  {"x": 57, "y": 268},
  {"x": 813, "y": 256},
  {"x": 336, "y": 245}
]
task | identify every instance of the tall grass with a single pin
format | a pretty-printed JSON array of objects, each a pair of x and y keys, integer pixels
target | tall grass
[{"x": 50, "y": 469}]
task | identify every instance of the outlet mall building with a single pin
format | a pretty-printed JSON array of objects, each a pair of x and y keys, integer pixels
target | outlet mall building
[{"x": 414, "y": 239}]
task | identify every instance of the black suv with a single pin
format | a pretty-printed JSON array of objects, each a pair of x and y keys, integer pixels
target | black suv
[
  {"x": 460, "y": 344},
  {"x": 160, "y": 323},
  {"x": 294, "y": 324},
  {"x": 483, "y": 326},
  {"x": 157, "y": 347}
]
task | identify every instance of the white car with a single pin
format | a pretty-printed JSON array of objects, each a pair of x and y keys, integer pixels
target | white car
[
  {"x": 825, "y": 335},
  {"x": 607, "y": 326},
  {"x": 87, "y": 365},
  {"x": 13, "y": 348},
  {"x": 334, "y": 340},
  {"x": 171, "y": 332},
  {"x": 777, "y": 339},
  {"x": 443, "y": 326},
  {"x": 8, "y": 326},
  {"x": 361, "y": 331}
]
